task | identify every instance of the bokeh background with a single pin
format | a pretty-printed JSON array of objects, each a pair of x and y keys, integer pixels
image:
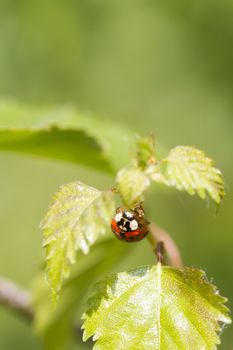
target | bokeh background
[{"x": 162, "y": 66}]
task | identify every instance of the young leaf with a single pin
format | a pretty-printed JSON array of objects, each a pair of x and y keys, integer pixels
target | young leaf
[
  {"x": 78, "y": 215},
  {"x": 155, "y": 307},
  {"x": 145, "y": 151},
  {"x": 188, "y": 169},
  {"x": 132, "y": 182}
]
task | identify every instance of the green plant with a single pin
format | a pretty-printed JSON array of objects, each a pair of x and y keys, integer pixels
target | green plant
[{"x": 150, "y": 307}]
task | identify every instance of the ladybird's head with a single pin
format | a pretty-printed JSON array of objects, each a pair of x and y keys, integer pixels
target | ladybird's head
[{"x": 126, "y": 220}]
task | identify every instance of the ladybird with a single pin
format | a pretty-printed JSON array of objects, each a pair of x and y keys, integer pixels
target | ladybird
[{"x": 130, "y": 225}]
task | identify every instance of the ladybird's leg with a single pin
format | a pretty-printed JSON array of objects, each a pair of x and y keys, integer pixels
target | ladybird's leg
[
  {"x": 145, "y": 229},
  {"x": 139, "y": 211},
  {"x": 144, "y": 222},
  {"x": 119, "y": 210}
]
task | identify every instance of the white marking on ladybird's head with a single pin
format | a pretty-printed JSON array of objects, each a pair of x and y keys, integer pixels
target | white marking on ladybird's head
[
  {"x": 133, "y": 225},
  {"x": 128, "y": 214},
  {"x": 123, "y": 228},
  {"x": 118, "y": 217}
]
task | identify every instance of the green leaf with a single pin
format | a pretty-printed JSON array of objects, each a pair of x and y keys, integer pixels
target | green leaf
[
  {"x": 56, "y": 325},
  {"x": 132, "y": 182},
  {"x": 188, "y": 169},
  {"x": 68, "y": 145},
  {"x": 155, "y": 307},
  {"x": 64, "y": 134},
  {"x": 77, "y": 217}
]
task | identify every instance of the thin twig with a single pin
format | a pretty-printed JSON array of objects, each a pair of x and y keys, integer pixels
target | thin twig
[
  {"x": 159, "y": 251},
  {"x": 159, "y": 235},
  {"x": 16, "y": 298}
]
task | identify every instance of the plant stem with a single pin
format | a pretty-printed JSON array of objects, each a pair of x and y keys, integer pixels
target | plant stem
[
  {"x": 160, "y": 252},
  {"x": 157, "y": 237}
]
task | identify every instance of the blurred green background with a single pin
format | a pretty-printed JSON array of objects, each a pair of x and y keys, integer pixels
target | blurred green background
[{"x": 160, "y": 66}]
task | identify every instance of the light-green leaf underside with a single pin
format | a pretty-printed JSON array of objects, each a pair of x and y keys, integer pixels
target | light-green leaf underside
[
  {"x": 155, "y": 307},
  {"x": 189, "y": 169},
  {"x": 78, "y": 216}
]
